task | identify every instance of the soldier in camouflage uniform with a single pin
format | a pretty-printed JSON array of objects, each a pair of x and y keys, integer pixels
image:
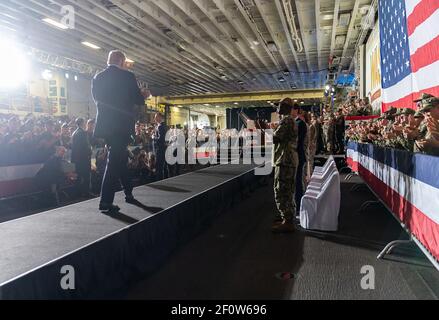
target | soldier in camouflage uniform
[
  {"x": 285, "y": 166},
  {"x": 426, "y": 141},
  {"x": 329, "y": 133}
]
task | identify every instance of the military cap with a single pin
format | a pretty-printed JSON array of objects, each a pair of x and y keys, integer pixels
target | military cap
[
  {"x": 284, "y": 106},
  {"x": 408, "y": 111},
  {"x": 391, "y": 110},
  {"x": 423, "y": 97},
  {"x": 419, "y": 114},
  {"x": 429, "y": 104}
]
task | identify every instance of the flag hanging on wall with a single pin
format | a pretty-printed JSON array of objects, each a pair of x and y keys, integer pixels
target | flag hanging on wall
[{"x": 409, "y": 39}]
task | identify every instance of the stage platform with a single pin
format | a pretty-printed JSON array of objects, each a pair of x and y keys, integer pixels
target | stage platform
[{"x": 106, "y": 251}]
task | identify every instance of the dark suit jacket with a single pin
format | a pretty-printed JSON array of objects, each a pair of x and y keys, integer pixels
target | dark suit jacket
[
  {"x": 160, "y": 138},
  {"x": 301, "y": 125},
  {"x": 81, "y": 150},
  {"x": 116, "y": 93}
]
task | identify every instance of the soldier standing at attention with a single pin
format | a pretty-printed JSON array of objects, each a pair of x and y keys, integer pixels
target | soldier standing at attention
[{"x": 285, "y": 166}]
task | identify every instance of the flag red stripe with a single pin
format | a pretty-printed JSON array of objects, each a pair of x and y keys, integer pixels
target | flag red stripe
[
  {"x": 407, "y": 101},
  {"x": 425, "y": 229},
  {"x": 425, "y": 55},
  {"x": 422, "y": 11}
]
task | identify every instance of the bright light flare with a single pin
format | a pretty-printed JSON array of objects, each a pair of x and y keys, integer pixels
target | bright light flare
[{"x": 14, "y": 66}]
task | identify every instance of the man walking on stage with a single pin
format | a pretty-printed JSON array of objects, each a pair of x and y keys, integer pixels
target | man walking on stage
[{"x": 116, "y": 93}]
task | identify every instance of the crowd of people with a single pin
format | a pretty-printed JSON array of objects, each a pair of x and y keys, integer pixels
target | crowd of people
[
  {"x": 356, "y": 107},
  {"x": 70, "y": 152},
  {"x": 406, "y": 129}
]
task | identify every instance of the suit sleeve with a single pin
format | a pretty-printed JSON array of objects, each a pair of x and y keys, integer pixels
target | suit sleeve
[
  {"x": 302, "y": 133},
  {"x": 138, "y": 99},
  {"x": 96, "y": 90}
]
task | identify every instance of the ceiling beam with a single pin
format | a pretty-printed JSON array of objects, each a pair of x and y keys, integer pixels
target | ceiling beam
[
  {"x": 334, "y": 27},
  {"x": 318, "y": 39},
  {"x": 243, "y": 97},
  {"x": 354, "y": 14},
  {"x": 299, "y": 66}
]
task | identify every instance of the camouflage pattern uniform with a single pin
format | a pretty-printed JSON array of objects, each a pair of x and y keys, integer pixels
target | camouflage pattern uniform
[
  {"x": 328, "y": 133},
  {"x": 285, "y": 162},
  {"x": 428, "y": 102}
]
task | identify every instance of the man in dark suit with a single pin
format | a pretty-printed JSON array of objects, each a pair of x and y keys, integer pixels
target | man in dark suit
[
  {"x": 116, "y": 93},
  {"x": 160, "y": 148},
  {"x": 81, "y": 157},
  {"x": 301, "y": 151}
]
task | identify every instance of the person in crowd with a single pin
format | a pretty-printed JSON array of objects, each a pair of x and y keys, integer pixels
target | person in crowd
[
  {"x": 339, "y": 132},
  {"x": 81, "y": 157},
  {"x": 160, "y": 147},
  {"x": 328, "y": 133},
  {"x": 285, "y": 163},
  {"x": 51, "y": 176},
  {"x": 312, "y": 145},
  {"x": 116, "y": 94},
  {"x": 90, "y": 128},
  {"x": 66, "y": 138}
]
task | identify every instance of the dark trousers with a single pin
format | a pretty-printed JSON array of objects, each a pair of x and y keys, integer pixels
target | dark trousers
[
  {"x": 162, "y": 170},
  {"x": 84, "y": 177},
  {"x": 116, "y": 172},
  {"x": 300, "y": 182}
]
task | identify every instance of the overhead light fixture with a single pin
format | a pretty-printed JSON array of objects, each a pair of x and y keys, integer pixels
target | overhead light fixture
[
  {"x": 217, "y": 106},
  {"x": 295, "y": 100},
  {"x": 47, "y": 74},
  {"x": 76, "y": 78},
  {"x": 56, "y": 24},
  {"x": 281, "y": 79},
  {"x": 240, "y": 82},
  {"x": 302, "y": 102},
  {"x": 14, "y": 65},
  {"x": 90, "y": 45},
  {"x": 67, "y": 75},
  {"x": 256, "y": 42},
  {"x": 207, "y": 105},
  {"x": 272, "y": 46},
  {"x": 236, "y": 103}
]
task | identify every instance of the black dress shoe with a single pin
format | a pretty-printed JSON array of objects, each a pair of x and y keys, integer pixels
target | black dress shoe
[
  {"x": 109, "y": 208},
  {"x": 130, "y": 199}
]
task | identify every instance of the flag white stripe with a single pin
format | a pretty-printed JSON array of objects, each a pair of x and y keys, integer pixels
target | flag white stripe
[
  {"x": 411, "y": 189},
  {"x": 425, "y": 78},
  {"x": 409, "y": 5},
  {"x": 425, "y": 32}
]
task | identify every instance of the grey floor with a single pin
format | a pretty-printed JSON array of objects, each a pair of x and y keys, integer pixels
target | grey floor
[{"x": 237, "y": 257}]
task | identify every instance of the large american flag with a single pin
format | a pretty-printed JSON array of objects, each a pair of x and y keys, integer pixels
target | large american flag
[{"x": 409, "y": 35}]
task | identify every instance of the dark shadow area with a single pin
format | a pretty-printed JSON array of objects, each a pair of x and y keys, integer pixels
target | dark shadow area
[
  {"x": 167, "y": 188},
  {"x": 236, "y": 257},
  {"x": 122, "y": 217},
  {"x": 152, "y": 210}
]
